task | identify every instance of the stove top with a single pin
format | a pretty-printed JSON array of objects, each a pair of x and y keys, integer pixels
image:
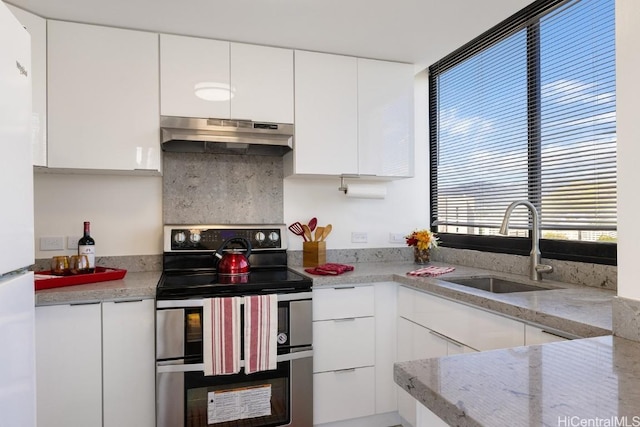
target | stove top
[
  {"x": 189, "y": 264},
  {"x": 207, "y": 284}
]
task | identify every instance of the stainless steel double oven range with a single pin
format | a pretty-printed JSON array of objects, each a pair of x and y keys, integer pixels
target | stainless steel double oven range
[{"x": 188, "y": 278}]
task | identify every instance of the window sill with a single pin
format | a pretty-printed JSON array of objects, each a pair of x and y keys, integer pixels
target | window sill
[{"x": 588, "y": 252}]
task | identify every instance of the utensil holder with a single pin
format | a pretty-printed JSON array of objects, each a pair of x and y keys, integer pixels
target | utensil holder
[{"x": 314, "y": 254}]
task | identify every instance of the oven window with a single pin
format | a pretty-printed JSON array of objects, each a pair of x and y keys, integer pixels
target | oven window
[{"x": 238, "y": 398}]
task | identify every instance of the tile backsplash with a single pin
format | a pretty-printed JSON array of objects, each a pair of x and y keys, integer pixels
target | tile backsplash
[{"x": 222, "y": 189}]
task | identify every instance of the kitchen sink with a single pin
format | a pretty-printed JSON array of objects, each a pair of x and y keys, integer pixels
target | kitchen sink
[{"x": 496, "y": 285}]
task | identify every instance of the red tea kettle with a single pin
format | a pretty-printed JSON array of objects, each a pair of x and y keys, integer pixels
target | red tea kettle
[{"x": 234, "y": 261}]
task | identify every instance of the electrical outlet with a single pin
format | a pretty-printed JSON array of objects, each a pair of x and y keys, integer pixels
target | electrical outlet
[
  {"x": 72, "y": 242},
  {"x": 359, "y": 237},
  {"x": 51, "y": 243},
  {"x": 396, "y": 238}
]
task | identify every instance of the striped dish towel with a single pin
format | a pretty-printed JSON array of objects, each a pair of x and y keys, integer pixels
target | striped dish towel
[
  {"x": 221, "y": 335},
  {"x": 430, "y": 271},
  {"x": 260, "y": 333}
]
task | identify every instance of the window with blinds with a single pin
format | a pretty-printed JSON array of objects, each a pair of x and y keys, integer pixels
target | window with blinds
[{"x": 527, "y": 112}]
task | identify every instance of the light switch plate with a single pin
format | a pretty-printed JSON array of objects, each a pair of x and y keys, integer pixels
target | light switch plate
[
  {"x": 51, "y": 243},
  {"x": 72, "y": 242},
  {"x": 359, "y": 237},
  {"x": 396, "y": 238}
]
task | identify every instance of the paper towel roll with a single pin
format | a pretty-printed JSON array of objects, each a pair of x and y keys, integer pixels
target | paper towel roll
[{"x": 367, "y": 191}]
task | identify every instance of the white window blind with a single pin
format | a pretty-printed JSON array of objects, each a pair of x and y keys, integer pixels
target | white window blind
[{"x": 527, "y": 112}]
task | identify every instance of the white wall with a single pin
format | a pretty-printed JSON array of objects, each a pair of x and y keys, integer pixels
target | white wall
[
  {"x": 628, "y": 123},
  {"x": 125, "y": 212},
  {"x": 405, "y": 207}
]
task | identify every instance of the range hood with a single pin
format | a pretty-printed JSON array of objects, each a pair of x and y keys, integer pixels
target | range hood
[{"x": 223, "y": 136}]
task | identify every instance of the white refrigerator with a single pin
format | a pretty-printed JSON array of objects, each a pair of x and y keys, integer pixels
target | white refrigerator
[{"x": 17, "y": 311}]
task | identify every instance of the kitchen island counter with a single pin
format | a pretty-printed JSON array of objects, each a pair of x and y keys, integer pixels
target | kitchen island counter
[
  {"x": 137, "y": 285},
  {"x": 591, "y": 381}
]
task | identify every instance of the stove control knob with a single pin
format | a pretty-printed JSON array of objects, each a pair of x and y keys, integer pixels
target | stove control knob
[
  {"x": 282, "y": 338},
  {"x": 274, "y": 236},
  {"x": 194, "y": 237},
  {"x": 180, "y": 237},
  {"x": 260, "y": 236}
]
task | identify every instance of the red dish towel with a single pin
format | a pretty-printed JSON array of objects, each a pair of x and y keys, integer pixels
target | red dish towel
[
  {"x": 430, "y": 271},
  {"x": 221, "y": 335},
  {"x": 260, "y": 333},
  {"x": 329, "y": 269}
]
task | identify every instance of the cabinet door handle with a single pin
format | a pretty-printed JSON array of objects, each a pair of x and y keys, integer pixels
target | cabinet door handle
[
  {"x": 129, "y": 300},
  {"x": 344, "y": 371},
  {"x": 544, "y": 331},
  {"x": 343, "y": 288},
  {"x": 446, "y": 338},
  {"x": 346, "y": 319},
  {"x": 84, "y": 303}
]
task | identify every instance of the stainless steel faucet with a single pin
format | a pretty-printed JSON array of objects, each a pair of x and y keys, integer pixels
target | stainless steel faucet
[{"x": 535, "y": 267}]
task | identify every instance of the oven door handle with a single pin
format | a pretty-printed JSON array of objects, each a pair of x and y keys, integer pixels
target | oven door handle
[
  {"x": 199, "y": 302},
  {"x": 163, "y": 367}
]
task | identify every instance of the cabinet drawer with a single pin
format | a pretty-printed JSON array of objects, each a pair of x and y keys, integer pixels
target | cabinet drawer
[
  {"x": 343, "y": 343},
  {"x": 340, "y": 395},
  {"x": 474, "y": 327},
  {"x": 337, "y": 303}
]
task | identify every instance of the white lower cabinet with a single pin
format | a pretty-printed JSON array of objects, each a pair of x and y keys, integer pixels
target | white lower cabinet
[
  {"x": 351, "y": 343},
  {"x": 343, "y": 394},
  {"x": 69, "y": 365},
  {"x": 128, "y": 363},
  {"x": 417, "y": 342},
  {"x": 95, "y": 365},
  {"x": 430, "y": 326},
  {"x": 354, "y": 350},
  {"x": 426, "y": 418},
  {"x": 344, "y": 353}
]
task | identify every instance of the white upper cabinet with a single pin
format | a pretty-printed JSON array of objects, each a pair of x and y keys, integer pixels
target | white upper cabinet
[
  {"x": 37, "y": 28},
  {"x": 326, "y": 108},
  {"x": 385, "y": 118},
  {"x": 194, "y": 77},
  {"x": 103, "y": 98},
  {"x": 217, "y": 79},
  {"x": 262, "y": 78},
  {"x": 353, "y": 117}
]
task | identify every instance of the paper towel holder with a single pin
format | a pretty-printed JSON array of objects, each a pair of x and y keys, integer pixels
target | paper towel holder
[
  {"x": 342, "y": 187},
  {"x": 349, "y": 191}
]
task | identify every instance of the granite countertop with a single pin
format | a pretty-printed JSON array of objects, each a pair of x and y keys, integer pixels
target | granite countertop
[
  {"x": 141, "y": 285},
  {"x": 563, "y": 382},
  {"x": 579, "y": 311},
  {"x": 591, "y": 381}
]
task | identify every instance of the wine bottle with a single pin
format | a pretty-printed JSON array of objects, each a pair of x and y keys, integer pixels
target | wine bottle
[{"x": 87, "y": 246}]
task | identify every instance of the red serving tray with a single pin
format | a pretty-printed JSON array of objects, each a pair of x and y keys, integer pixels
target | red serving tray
[{"x": 102, "y": 274}]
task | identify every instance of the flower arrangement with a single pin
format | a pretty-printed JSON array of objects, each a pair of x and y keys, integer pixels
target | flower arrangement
[{"x": 422, "y": 239}]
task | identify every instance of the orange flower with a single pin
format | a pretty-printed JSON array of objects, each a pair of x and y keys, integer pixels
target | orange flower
[{"x": 423, "y": 239}]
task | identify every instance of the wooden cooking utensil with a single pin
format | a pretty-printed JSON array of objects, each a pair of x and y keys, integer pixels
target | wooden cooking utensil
[
  {"x": 296, "y": 228},
  {"x": 327, "y": 230},
  {"x": 319, "y": 232},
  {"x": 307, "y": 232},
  {"x": 313, "y": 222}
]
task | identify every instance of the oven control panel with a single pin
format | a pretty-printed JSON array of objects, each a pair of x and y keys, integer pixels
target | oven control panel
[{"x": 210, "y": 238}]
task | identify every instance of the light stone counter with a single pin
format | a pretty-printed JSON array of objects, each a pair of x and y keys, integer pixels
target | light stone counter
[
  {"x": 579, "y": 311},
  {"x": 137, "y": 285},
  {"x": 593, "y": 381}
]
